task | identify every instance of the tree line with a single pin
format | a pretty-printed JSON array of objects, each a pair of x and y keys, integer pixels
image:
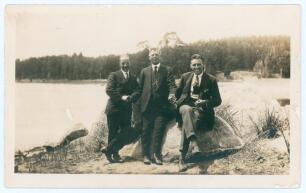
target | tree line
[{"x": 266, "y": 55}]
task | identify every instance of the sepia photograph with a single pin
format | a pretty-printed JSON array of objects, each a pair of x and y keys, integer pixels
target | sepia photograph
[{"x": 182, "y": 94}]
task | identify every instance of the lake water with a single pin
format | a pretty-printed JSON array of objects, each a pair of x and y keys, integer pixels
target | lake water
[{"x": 45, "y": 112}]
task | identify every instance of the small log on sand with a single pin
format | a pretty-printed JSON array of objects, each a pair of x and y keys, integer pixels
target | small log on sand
[{"x": 73, "y": 136}]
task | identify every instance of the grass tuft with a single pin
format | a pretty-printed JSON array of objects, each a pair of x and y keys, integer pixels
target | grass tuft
[{"x": 270, "y": 125}]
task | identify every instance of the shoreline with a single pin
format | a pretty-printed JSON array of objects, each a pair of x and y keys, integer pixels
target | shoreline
[
  {"x": 238, "y": 78},
  {"x": 63, "y": 81}
]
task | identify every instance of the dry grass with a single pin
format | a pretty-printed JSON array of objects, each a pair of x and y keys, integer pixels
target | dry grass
[
  {"x": 271, "y": 125},
  {"x": 255, "y": 158},
  {"x": 75, "y": 152},
  {"x": 227, "y": 113}
]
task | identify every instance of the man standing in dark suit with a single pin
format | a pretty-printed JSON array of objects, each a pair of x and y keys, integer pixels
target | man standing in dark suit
[
  {"x": 122, "y": 89},
  {"x": 197, "y": 94},
  {"x": 157, "y": 88}
]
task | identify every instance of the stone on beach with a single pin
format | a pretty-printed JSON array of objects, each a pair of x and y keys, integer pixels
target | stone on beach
[{"x": 76, "y": 132}]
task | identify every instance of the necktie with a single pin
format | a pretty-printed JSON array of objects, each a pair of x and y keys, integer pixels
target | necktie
[
  {"x": 197, "y": 80},
  {"x": 196, "y": 87},
  {"x": 155, "y": 77},
  {"x": 127, "y": 75},
  {"x": 155, "y": 71}
]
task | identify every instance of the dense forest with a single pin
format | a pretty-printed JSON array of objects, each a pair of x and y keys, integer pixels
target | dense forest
[{"x": 266, "y": 55}]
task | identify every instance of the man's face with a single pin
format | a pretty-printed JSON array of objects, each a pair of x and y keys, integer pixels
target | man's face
[
  {"x": 125, "y": 64},
  {"x": 197, "y": 66},
  {"x": 154, "y": 57}
]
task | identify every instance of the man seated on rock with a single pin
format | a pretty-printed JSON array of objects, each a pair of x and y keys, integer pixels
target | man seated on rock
[
  {"x": 121, "y": 89},
  {"x": 197, "y": 94}
]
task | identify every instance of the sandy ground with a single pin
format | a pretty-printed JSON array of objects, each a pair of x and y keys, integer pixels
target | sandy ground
[{"x": 265, "y": 156}]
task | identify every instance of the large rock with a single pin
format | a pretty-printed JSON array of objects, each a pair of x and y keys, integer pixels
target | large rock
[{"x": 221, "y": 138}]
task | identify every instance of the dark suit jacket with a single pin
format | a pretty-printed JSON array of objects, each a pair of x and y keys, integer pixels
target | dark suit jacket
[
  {"x": 117, "y": 86},
  {"x": 208, "y": 91},
  {"x": 166, "y": 85}
]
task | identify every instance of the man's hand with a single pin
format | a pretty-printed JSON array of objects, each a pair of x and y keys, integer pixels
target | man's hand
[
  {"x": 125, "y": 98},
  {"x": 172, "y": 98},
  {"x": 200, "y": 103}
]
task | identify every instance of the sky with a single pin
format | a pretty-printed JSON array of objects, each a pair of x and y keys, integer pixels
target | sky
[{"x": 105, "y": 29}]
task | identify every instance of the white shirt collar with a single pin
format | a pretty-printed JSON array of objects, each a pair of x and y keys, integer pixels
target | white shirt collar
[
  {"x": 200, "y": 75},
  {"x": 124, "y": 73},
  {"x": 153, "y": 66}
]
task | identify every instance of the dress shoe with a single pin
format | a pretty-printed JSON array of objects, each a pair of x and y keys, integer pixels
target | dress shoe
[
  {"x": 194, "y": 147},
  {"x": 182, "y": 166},
  {"x": 146, "y": 160},
  {"x": 117, "y": 158},
  {"x": 108, "y": 155},
  {"x": 103, "y": 150},
  {"x": 157, "y": 159}
]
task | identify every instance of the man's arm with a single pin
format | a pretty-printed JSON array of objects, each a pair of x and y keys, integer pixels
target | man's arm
[
  {"x": 180, "y": 88},
  {"x": 171, "y": 82},
  {"x": 111, "y": 89},
  {"x": 135, "y": 95}
]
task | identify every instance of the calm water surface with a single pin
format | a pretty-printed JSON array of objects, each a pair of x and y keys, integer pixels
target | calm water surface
[{"x": 46, "y": 112}]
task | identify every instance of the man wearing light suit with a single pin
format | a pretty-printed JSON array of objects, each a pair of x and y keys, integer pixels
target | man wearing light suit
[
  {"x": 157, "y": 88},
  {"x": 197, "y": 94},
  {"x": 122, "y": 89}
]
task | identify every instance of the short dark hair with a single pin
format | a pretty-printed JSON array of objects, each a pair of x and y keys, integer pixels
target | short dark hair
[{"x": 196, "y": 56}]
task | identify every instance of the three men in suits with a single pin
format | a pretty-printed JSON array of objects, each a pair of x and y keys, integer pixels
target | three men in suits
[
  {"x": 197, "y": 94},
  {"x": 122, "y": 91},
  {"x": 157, "y": 88}
]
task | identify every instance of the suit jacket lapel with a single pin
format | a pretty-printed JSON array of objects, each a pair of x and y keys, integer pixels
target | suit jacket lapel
[
  {"x": 161, "y": 72},
  {"x": 149, "y": 72},
  {"x": 203, "y": 83},
  {"x": 122, "y": 77}
]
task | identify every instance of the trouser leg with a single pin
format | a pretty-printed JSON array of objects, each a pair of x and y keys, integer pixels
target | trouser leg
[
  {"x": 158, "y": 134},
  {"x": 122, "y": 137},
  {"x": 113, "y": 126},
  {"x": 189, "y": 120},
  {"x": 147, "y": 121},
  {"x": 190, "y": 117},
  {"x": 184, "y": 144}
]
